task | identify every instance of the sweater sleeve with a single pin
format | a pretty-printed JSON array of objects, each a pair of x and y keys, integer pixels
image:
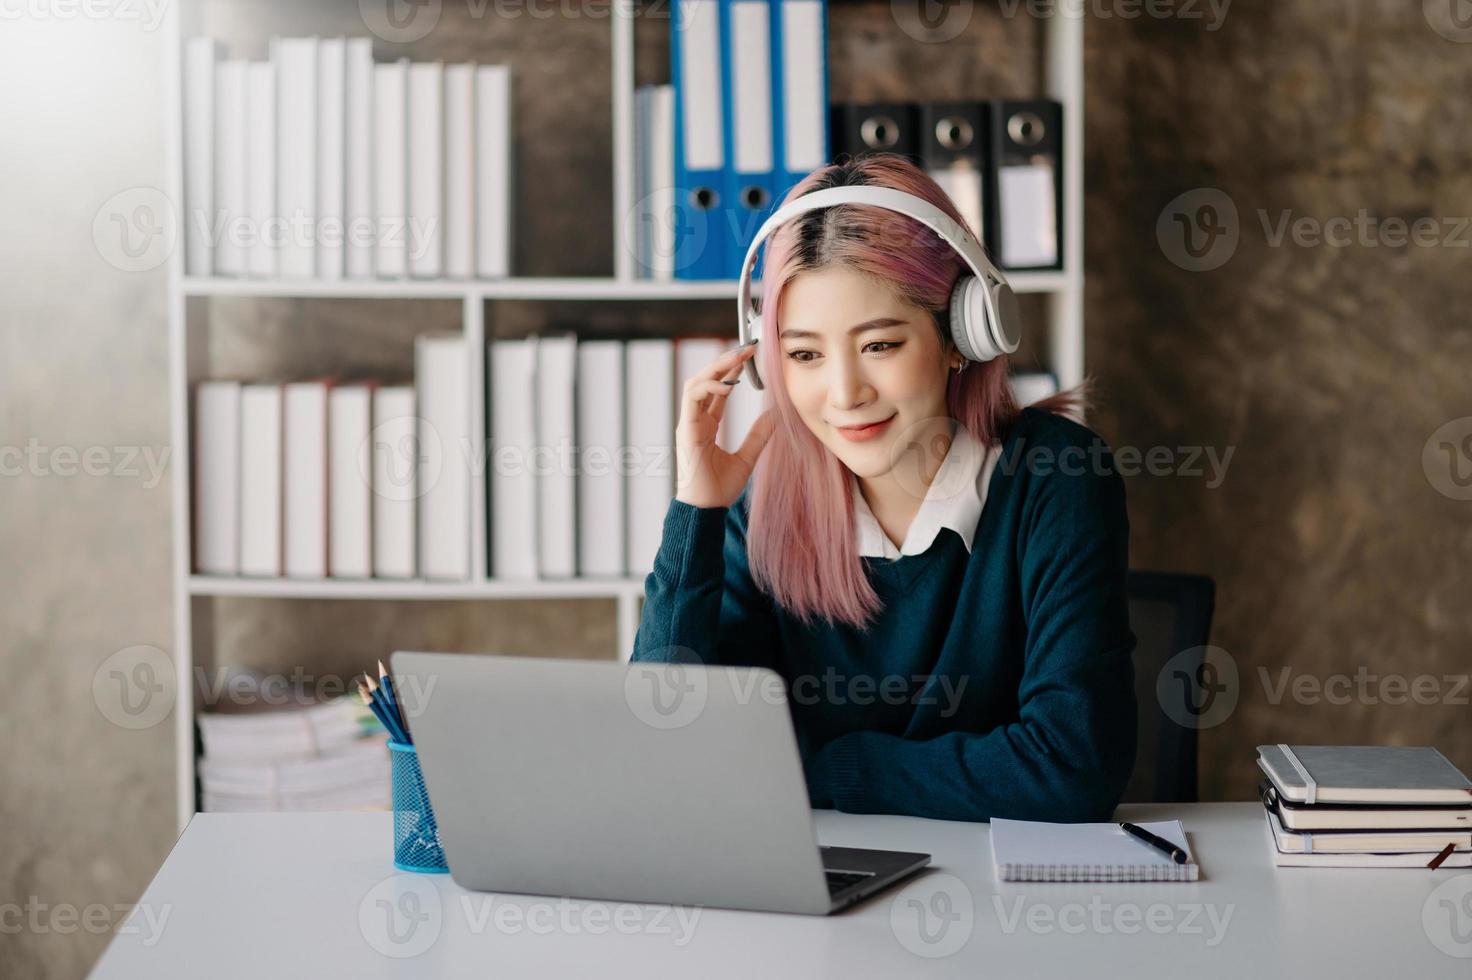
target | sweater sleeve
[
  {"x": 701, "y": 604},
  {"x": 1069, "y": 754}
]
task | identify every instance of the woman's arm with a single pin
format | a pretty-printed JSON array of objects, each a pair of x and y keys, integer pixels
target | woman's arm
[
  {"x": 700, "y": 603},
  {"x": 1071, "y": 751}
]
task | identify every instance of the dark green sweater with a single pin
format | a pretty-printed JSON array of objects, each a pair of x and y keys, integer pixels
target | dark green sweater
[{"x": 994, "y": 684}]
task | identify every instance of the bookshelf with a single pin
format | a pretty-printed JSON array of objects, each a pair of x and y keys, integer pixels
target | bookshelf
[{"x": 192, "y": 594}]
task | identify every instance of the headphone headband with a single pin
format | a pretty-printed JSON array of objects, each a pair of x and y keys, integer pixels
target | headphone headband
[{"x": 884, "y": 197}]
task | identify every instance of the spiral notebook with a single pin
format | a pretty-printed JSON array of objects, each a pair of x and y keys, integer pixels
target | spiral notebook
[{"x": 1024, "y": 850}]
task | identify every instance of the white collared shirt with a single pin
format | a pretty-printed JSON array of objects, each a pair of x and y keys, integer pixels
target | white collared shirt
[{"x": 954, "y": 499}]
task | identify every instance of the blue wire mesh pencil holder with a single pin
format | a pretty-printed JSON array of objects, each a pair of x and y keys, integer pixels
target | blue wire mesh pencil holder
[{"x": 416, "y": 836}]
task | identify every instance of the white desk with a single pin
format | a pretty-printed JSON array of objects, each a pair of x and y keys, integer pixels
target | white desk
[{"x": 316, "y": 895}]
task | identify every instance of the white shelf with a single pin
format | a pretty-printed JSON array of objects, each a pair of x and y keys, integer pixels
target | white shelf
[
  {"x": 415, "y": 589},
  {"x": 1063, "y": 80},
  {"x": 570, "y": 288}
]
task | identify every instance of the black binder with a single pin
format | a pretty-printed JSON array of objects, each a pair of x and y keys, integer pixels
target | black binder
[
  {"x": 1025, "y": 182},
  {"x": 953, "y": 138},
  {"x": 873, "y": 127}
]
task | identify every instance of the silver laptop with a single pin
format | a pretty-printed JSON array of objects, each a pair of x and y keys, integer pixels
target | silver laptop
[{"x": 670, "y": 784}]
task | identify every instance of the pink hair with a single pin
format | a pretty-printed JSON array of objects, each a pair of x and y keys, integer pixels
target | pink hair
[{"x": 801, "y": 540}]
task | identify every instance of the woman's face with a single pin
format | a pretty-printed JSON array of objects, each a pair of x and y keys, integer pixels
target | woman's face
[{"x": 855, "y": 352}]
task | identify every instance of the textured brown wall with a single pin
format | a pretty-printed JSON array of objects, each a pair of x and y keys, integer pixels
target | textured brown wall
[{"x": 1324, "y": 369}]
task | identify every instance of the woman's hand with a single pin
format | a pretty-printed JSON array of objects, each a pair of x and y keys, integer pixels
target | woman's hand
[{"x": 707, "y": 475}]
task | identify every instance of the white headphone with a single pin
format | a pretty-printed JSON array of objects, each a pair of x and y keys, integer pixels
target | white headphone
[{"x": 985, "y": 321}]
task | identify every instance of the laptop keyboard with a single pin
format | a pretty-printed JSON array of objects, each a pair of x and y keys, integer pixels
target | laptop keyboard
[{"x": 839, "y": 880}]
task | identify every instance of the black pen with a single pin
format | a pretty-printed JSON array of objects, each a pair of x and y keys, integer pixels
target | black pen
[{"x": 1159, "y": 843}]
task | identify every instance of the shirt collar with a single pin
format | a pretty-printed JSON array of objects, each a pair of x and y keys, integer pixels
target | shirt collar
[{"x": 954, "y": 499}]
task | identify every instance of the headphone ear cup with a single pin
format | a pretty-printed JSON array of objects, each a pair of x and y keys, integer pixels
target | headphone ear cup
[{"x": 968, "y": 320}]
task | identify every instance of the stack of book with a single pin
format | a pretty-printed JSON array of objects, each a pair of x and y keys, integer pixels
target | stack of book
[
  {"x": 328, "y": 756},
  {"x": 1365, "y": 806}
]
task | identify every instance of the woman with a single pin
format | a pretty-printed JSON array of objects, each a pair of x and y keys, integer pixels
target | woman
[{"x": 938, "y": 576}]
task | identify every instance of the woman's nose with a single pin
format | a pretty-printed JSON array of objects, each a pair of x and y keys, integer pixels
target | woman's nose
[{"x": 847, "y": 386}]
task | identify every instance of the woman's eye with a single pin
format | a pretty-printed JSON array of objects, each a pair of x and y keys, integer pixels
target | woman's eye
[{"x": 874, "y": 346}]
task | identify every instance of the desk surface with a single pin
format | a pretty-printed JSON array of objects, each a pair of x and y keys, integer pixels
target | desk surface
[{"x": 265, "y": 895}]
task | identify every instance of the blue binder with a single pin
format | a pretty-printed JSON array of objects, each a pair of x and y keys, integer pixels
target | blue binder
[
  {"x": 697, "y": 70},
  {"x": 799, "y": 89},
  {"x": 751, "y": 176}
]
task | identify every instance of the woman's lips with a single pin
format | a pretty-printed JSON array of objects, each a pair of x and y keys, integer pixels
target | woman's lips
[{"x": 867, "y": 432}]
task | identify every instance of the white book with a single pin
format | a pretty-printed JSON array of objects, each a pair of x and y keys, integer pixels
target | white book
[
  {"x": 390, "y": 211},
  {"x": 1285, "y": 859},
  {"x": 331, "y": 134},
  {"x": 556, "y": 381},
  {"x": 1029, "y": 387},
  {"x": 512, "y": 371},
  {"x": 493, "y": 171},
  {"x": 260, "y": 479},
  {"x": 395, "y": 467},
  {"x": 231, "y": 140},
  {"x": 296, "y": 153},
  {"x": 649, "y": 400},
  {"x": 260, "y": 167},
  {"x": 600, "y": 428},
  {"x": 441, "y": 374},
  {"x": 641, "y": 237},
  {"x": 349, "y": 481},
  {"x": 743, "y": 406},
  {"x": 358, "y": 244},
  {"x": 200, "y": 54},
  {"x": 426, "y": 169},
  {"x": 692, "y": 354},
  {"x": 662, "y": 182},
  {"x": 304, "y": 479},
  {"x": 459, "y": 171},
  {"x": 217, "y": 478}
]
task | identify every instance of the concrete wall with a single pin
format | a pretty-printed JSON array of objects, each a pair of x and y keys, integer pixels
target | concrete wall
[{"x": 1324, "y": 370}]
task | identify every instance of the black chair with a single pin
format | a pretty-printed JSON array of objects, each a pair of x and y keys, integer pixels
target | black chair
[{"x": 1169, "y": 613}]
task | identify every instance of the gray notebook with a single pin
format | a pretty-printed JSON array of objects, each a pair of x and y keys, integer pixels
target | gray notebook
[
  {"x": 1025, "y": 850},
  {"x": 1385, "y": 774}
]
